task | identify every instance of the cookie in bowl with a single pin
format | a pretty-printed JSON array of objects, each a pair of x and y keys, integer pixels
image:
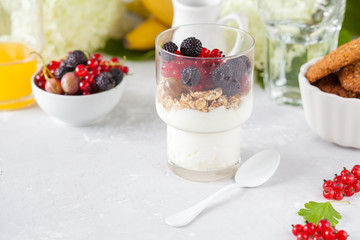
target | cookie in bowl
[{"x": 331, "y": 100}]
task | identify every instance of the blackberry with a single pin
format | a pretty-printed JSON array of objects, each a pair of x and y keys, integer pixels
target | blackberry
[
  {"x": 232, "y": 88},
  {"x": 170, "y": 46},
  {"x": 104, "y": 81},
  {"x": 191, "y": 47},
  {"x": 222, "y": 76},
  {"x": 190, "y": 76},
  {"x": 239, "y": 66},
  {"x": 61, "y": 70},
  {"x": 75, "y": 58},
  {"x": 117, "y": 75}
]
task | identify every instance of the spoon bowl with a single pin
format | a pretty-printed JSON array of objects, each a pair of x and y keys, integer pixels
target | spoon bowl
[
  {"x": 258, "y": 169},
  {"x": 254, "y": 172}
]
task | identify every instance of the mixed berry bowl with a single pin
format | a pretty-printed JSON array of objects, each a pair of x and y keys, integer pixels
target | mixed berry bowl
[
  {"x": 80, "y": 89},
  {"x": 204, "y": 94}
]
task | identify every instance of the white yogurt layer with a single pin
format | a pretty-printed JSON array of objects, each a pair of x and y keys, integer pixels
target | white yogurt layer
[
  {"x": 203, "y": 151},
  {"x": 217, "y": 120},
  {"x": 205, "y": 141}
]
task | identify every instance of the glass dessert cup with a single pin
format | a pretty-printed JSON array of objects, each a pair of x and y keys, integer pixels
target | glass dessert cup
[{"x": 204, "y": 99}]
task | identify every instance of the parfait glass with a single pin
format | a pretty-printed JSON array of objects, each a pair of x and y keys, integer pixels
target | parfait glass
[
  {"x": 21, "y": 32},
  {"x": 205, "y": 99}
]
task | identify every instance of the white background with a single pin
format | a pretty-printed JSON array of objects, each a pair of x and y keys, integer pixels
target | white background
[{"x": 110, "y": 180}]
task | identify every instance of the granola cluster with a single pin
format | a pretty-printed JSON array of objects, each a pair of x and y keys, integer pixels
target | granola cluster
[{"x": 171, "y": 95}]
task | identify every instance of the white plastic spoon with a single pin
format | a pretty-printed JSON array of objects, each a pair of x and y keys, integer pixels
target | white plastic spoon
[{"x": 254, "y": 172}]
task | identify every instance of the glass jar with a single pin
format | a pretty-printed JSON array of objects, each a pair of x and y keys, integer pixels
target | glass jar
[
  {"x": 21, "y": 32},
  {"x": 205, "y": 99}
]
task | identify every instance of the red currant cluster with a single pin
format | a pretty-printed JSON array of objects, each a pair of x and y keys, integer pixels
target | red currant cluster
[
  {"x": 78, "y": 73},
  {"x": 321, "y": 231},
  {"x": 345, "y": 184}
]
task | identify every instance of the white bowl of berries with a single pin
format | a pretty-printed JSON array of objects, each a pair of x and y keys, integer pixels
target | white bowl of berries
[{"x": 80, "y": 89}]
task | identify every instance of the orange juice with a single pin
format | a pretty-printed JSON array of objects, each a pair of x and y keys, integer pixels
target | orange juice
[{"x": 17, "y": 66}]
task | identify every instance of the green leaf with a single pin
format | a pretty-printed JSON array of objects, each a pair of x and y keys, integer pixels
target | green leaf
[
  {"x": 352, "y": 17},
  {"x": 344, "y": 37},
  {"x": 115, "y": 47},
  {"x": 314, "y": 212}
]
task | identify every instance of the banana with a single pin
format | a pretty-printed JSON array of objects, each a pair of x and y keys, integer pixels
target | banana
[
  {"x": 161, "y": 9},
  {"x": 138, "y": 8},
  {"x": 143, "y": 36}
]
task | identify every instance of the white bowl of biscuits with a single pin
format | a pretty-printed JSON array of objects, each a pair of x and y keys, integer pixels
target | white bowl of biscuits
[{"x": 330, "y": 91}]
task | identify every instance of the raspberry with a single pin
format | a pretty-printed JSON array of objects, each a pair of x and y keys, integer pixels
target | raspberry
[
  {"x": 191, "y": 47},
  {"x": 104, "y": 81},
  {"x": 190, "y": 76},
  {"x": 75, "y": 58}
]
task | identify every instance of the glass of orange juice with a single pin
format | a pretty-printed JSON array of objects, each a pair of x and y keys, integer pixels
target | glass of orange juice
[{"x": 21, "y": 32}]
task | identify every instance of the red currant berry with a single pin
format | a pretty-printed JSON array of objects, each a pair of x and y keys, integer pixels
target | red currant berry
[
  {"x": 309, "y": 229},
  {"x": 349, "y": 191},
  {"x": 337, "y": 178},
  {"x": 90, "y": 78},
  {"x": 344, "y": 172},
  {"x": 330, "y": 234},
  {"x": 85, "y": 86},
  {"x": 339, "y": 196},
  {"x": 356, "y": 185},
  {"x": 39, "y": 77},
  {"x": 356, "y": 172},
  {"x": 114, "y": 60},
  {"x": 105, "y": 66},
  {"x": 348, "y": 178},
  {"x": 205, "y": 52},
  {"x": 327, "y": 183},
  {"x": 302, "y": 236},
  {"x": 318, "y": 237},
  {"x": 322, "y": 225},
  {"x": 338, "y": 185},
  {"x": 328, "y": 193},
  {"x": 296, "y": 229},
  {"x": 124, "y": 69},
  {"x": 86, "y": 93},
  {"x": 41, "y": 84},
  {"x": 177, "y": 52},
  {"x": 53, "y": 65},
  {"x": 215, "y": 53},
  {"x": 97, "y": 57},
  {"x": 92, "y": 63},
  {"x": 81, "y": 70},
  {"x": 341, "y": 235},
  {"x": 94, "y": 72}
]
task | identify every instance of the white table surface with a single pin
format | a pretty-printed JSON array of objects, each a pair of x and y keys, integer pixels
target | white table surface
[{"x": 110, "y": 180}]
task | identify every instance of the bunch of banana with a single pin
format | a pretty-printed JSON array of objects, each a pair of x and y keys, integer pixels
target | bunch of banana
[{"x": 159, "y": 19}]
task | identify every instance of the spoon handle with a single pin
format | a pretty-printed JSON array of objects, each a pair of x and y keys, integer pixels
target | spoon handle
[{"x": 186, "y": 216}]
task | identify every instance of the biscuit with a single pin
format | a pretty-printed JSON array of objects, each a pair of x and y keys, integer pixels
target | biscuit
[
  {"x": 349, "y": 77},
  {"x": 331, "y": 84},
  {"x": 342, "y": 56}
]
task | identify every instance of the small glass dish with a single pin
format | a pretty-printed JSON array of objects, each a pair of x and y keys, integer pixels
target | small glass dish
[{"x": 204, "y": 100}]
